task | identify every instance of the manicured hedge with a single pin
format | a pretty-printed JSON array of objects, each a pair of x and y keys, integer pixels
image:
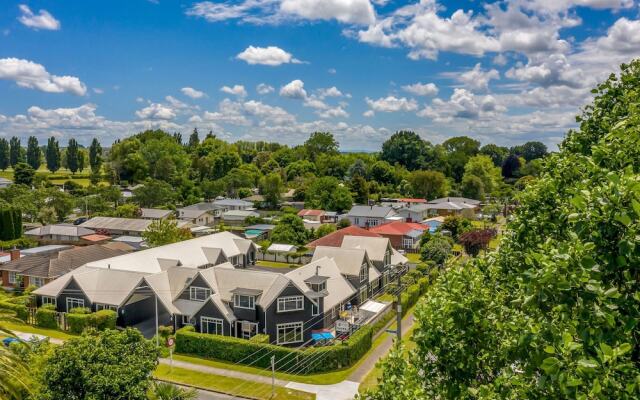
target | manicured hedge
[
  {"x": 46, "y": 317},
  {"x": 260, "y": 338},
  {"x": 103, "y": 319},
  {"x": 21, "y": 310}
]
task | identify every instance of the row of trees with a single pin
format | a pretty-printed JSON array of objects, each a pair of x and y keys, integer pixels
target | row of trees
[{"x": 74, "y": 157}]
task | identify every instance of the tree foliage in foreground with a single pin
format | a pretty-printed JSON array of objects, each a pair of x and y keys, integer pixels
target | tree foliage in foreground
[
  {"x": 108, "y": 365},
  {"x": 554, "y": 312},
  {"x": 165, "y": 231}
]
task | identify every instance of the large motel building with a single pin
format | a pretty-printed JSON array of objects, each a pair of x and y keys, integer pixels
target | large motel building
[{"x": 211, "y": 282}]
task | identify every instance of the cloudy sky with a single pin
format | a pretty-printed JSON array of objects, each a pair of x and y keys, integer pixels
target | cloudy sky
[{"x": 500, "y": 71}]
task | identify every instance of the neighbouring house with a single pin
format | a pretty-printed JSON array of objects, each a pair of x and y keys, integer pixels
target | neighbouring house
[
  {"x": 155, "y": 213},
  {"x": 311, "y": 215},
  {"x": 433, "y": 223},
  {"x": 403, "y": 235},
  {"x": 40, "y": 269},
  {"x": 237, "y": 217},
  {"x": 197, "y": 216},
  {"x": 454, "y": 205},
  {"x": 137, "y": 242},
  {"x": 354, "y": 264},
  {"x": 233, "y": 204},
  {"x": 384, "y": 257},
  {"x": 368, "y": 216},
  {"x": 206, "y": 206},
  {"x": 123, "y": 226},
  {"x": 204, "y": 282},
  {"x": 258, "y": 231},
  {"x": 334, "y": 239},
  {"x": 4, "y": 183},
  {"x": 414, "y": 212},
  {"x": 59, "y": 234},
  {"x": 281, "y": 248}
]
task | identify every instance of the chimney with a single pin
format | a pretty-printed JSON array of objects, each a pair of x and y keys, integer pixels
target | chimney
[
  {"x": 317, "y": 270},
  {"x": 15, "y": 254}
]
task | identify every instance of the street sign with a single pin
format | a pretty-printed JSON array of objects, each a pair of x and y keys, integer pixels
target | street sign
[{"x": 343, "y": 326}]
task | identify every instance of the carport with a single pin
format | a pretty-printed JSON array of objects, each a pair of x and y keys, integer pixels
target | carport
[{"x": 141, "y": 309}]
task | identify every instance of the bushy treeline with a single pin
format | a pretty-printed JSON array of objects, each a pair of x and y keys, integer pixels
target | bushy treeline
[{"x": 554, "y": 313}]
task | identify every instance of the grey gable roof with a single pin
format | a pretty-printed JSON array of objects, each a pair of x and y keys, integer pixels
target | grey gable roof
[{"x": 370, "y": 211}]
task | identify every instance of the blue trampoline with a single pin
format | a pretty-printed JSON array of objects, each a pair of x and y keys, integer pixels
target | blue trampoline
[{"x": 322, "y": 336}]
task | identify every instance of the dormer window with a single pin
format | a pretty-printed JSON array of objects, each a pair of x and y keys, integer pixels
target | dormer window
[
  {"x": 318, "y": 287},
  {"x": 364, "y": 273},
  {"x": 199, "y": 293},
  {"x": 244, "y": 301},
  {"x": 387, "y": 258}
]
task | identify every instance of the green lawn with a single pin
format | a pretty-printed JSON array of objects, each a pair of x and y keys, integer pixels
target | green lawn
[
  {"x": 273, "y": 264},
  {"x": 21, "y": 327},
  {"x": 59, "y": 177},
  {"x": 372, "y": 377},
  {"x": 224, "y": 384},
  {"x": 413, "y": 257}
]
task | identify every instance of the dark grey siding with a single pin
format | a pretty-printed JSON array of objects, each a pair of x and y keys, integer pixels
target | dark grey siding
[
  {"x": 72, "y": 290},
  {"x": 273, "y": 317},
  {"x": 197, "y": 282},
  {"x": 211, "y": 310}
]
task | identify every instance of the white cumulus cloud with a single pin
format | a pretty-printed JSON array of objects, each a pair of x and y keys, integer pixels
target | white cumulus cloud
[
  {"x": 421, "y": 89},
  {"x": 392, "y": 104},
  {"x": 42, "y": 20},
  {"x": 348, "y": 11},
  {"x": 294, "y": 90},
  {"x": 156, "y": 111},
  {"x": 271, "y": 56},
  {"x": 29, "y": 74},
  {"x": 193, "y": 93},
  {"x": 263, "y": 88},
  {"x": 236, "y": 90}
]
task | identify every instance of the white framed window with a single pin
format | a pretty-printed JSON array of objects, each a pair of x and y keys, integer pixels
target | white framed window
[
  {"x": 211, "y": 325},
  {"x": 291, "y": 332},
  {"x": 290, "y": 303},
  {"x": 244, "y": 301},
  {"x": 36, "y": 281},
  {"x": 74, "y": 303},
  {"x": 364, "y": 272},
  {"x": 315, "y": 309},
  {"x": 13, "y": 278},
  {"x": 199, "y": 293},
  {"x": 373, "y": 221},
  {"x": 106, "y": 307},
  {"x": 407, "y": 242},
  {"x": 186, "y": 320},
  {"x": 356, "y": 221},
  {"x": 387, "y": 258},
  {"x": 48, "y": 300}
]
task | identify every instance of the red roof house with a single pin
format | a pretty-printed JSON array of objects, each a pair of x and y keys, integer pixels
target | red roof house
[
  {"x": 311, "y": 215},
  {"x": 334, "y": 239},
  {"x": 403, "y": 235}
]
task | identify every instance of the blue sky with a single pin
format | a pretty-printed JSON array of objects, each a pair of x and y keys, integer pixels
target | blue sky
[{"x": 500, "y": 71}]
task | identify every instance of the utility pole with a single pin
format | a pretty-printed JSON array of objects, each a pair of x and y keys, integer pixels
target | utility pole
[
  {"x": 273, "y": 376},
  {"x": 157, "y": 337},
  {"x": 399, "y": 310}
]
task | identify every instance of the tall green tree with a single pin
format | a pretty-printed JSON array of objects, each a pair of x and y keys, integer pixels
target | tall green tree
[
  {"x": 52, "y": 155},
  {"x": 5, "y": 157},
  {"x": 106, "y": 365},
  {"x": 320, "y": 143},
  {"x": 459, "y": 150},
  {"x": 327, "y": 193},
  {"x": 271, "y": 187},
  {"x": 482, "y": 167},
  {"x": 154, "y": 193},
  {"x": 15, "y": 151},
  {"x": 194, "y": 140},
  {"x": 165, "y": 231},
  {"x": 405, "y": 148},
  {"x": 290, "y": 230},
  {"x": 428, "y": 184},
  {"x": 530, "y": 150},
  {"x": 72, "y": 155},
  {"x": 95, "y": 155},
  {"x": 554, "y": 312},
  {"x": 495, "y": 152},
  {"x": 23, "y": 174},
  {"x": 34, "y": 154}
]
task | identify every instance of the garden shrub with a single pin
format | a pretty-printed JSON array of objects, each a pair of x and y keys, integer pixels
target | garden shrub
[
  {"x": 46, "y": 317},
  {"x": 260, "y": 338},
  {"x": 104, "y": 319},
  {"x": 21, "y": 310},
  {"x": 78, "y": 322}
]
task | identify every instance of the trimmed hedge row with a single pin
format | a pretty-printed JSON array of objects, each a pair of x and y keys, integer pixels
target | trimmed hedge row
[
  {"x": 238, "y": 350},
  {"x": 46, "y": 317},
  {"x": 101, "y": 320},
  {"x": 21, "y": 310},
  {"x": 334, "y": 357}
]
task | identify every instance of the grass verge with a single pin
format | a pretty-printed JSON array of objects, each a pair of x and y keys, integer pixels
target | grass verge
[
  {"x": 20, "y": 327},
  {"x": 227, "y": 385}
]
